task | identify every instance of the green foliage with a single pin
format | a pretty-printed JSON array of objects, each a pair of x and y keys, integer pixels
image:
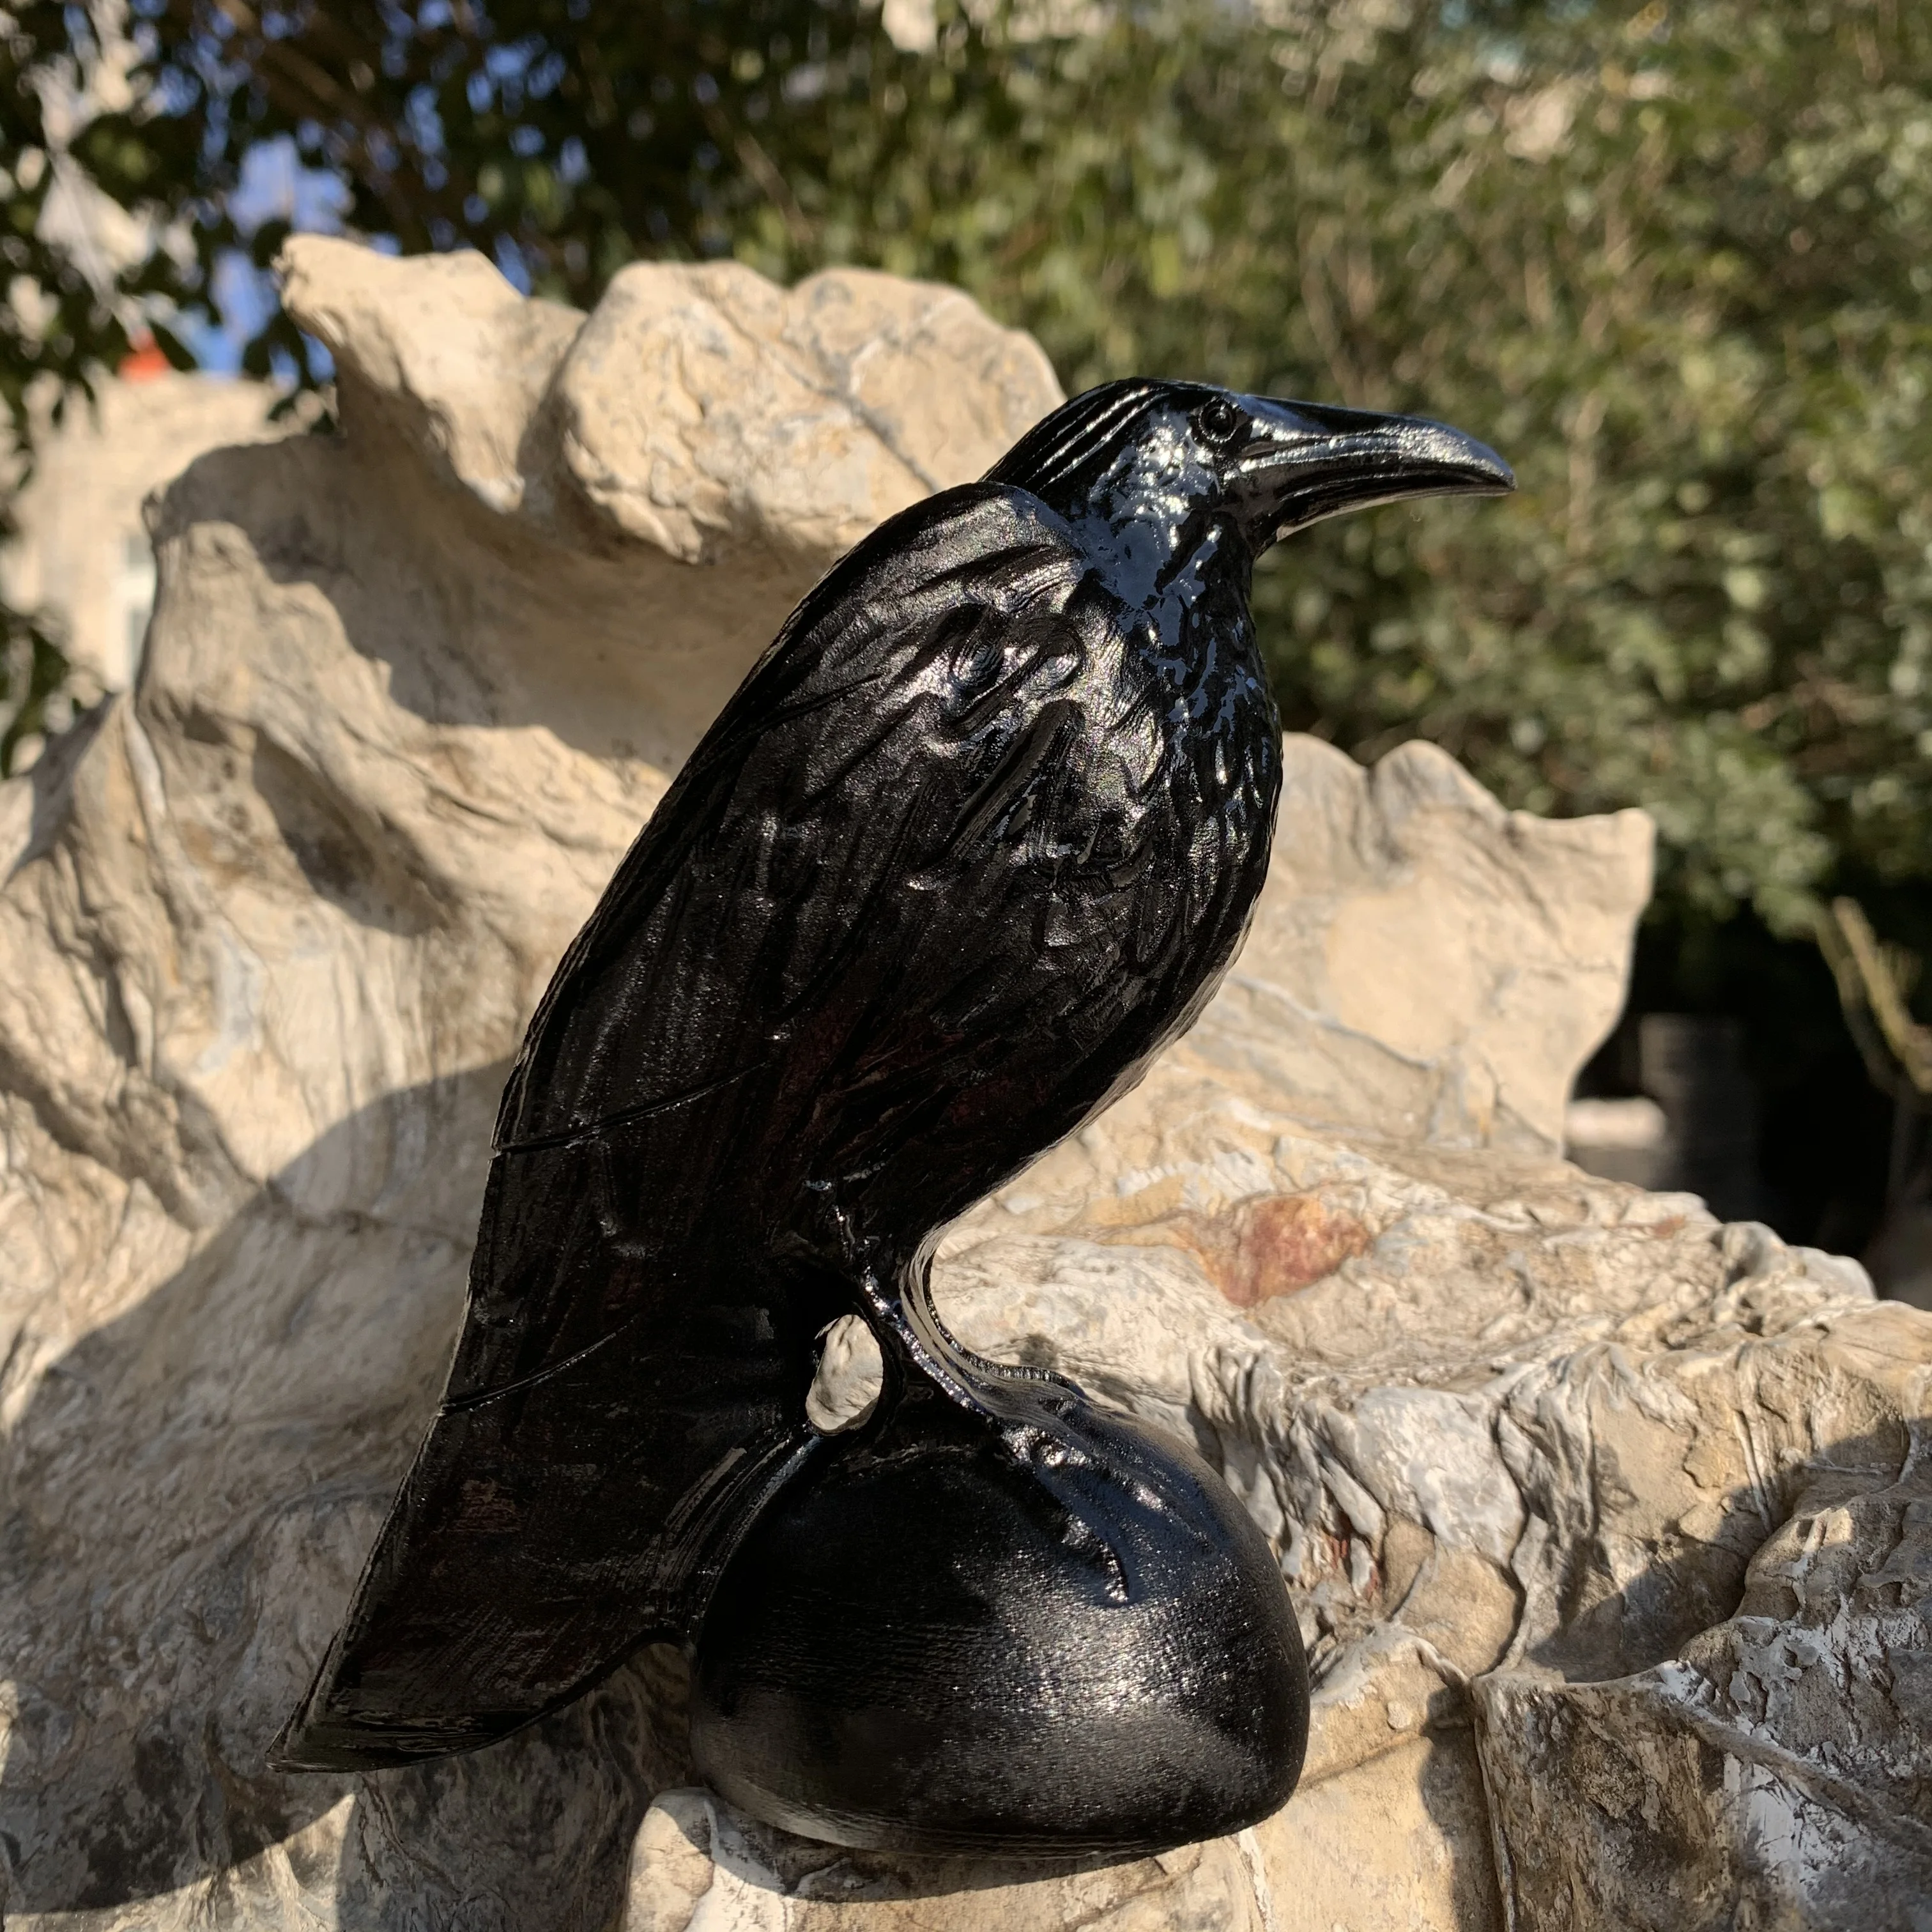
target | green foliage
[
  {"x": 32, "y": 673},
  {"x": 57, "y": 326},
  {"x": 564, "y": 137},
  {"x": 1669, "y": 262},
  {"x": 1672, "y": 264},
  {"x": 570, "y": 137}
]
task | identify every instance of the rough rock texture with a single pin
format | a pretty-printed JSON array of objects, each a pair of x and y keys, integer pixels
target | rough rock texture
[
  {"x": 1425, "y": 964},
  {"x": 1606, "y": 1524}
]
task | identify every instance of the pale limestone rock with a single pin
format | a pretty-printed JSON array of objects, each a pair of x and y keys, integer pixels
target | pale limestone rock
[
  {"x": 700, "y": 416},
  {"x": 823, "y": 410},
  {"x": 1539, "y": 1434},
  {"x": 696, "y": 1863},
  {"x": 1603, "y": 1521},
  {"x": 1426, "y": 964}
]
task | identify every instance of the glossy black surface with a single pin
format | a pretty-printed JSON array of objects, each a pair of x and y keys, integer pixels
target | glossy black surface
[
  {"x": 977, "y": 836},
  {"x": 1063, "y": 1636}
]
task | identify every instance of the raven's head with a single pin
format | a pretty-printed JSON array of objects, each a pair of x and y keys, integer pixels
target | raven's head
[{"x": 1178, "y": 456}]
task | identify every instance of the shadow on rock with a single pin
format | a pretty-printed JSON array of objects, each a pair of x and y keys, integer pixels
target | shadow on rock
[
  {"x": 1764, "y": 1764},
  {"x": 532, "y": 1834},
  {"x": 191, "y": 1492},
  {"x": 477, "y": 619}
]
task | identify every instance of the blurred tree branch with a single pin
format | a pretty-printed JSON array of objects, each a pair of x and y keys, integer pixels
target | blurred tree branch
[{"x": 1875, "y": 981}]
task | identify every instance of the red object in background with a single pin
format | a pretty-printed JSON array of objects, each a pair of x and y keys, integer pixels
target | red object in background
[{"x": 144, "y": 361}]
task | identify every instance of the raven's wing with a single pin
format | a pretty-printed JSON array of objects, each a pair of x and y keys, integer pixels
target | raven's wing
[{"x": 790, "y": 970}]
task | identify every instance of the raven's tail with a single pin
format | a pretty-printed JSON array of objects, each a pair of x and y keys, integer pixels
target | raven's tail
[{"x": 485, "y": 1605}]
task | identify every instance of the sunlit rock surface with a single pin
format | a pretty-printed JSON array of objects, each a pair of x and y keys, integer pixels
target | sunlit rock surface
[{"x": 1605, "y": 1523}]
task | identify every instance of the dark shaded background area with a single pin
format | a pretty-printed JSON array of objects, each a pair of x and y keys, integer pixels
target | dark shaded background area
[{"x": 1833, "y": 1153}]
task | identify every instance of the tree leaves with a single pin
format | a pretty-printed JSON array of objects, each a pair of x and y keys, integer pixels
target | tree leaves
[{"x": 1669, "y": 260}]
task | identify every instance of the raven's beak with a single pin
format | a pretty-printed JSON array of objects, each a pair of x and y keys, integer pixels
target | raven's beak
[{"x": 1302, "y": 461}]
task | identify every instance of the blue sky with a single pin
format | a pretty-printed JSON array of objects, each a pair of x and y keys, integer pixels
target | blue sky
[{"x": 275, "y": 185}]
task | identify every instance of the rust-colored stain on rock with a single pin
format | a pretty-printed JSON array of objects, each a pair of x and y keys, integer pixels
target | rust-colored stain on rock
[
  {"x": 1271, "y": 1244},
  {"x": 1283, "y": 1242}
]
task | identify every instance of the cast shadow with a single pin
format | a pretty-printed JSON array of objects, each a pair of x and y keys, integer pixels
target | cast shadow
[
  {"x": 1449, "y": 1786},
  {"x": 191, "y": 1491},
  {"x": 48, "y": 801},
  {"x": 1674, "y": 1608}
]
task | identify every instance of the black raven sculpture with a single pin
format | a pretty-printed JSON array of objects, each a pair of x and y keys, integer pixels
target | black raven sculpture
[{"x": 975, "y": 838}]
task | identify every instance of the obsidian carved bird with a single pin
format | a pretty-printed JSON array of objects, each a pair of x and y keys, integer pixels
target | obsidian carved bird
[{"x": 978, "y": 835}]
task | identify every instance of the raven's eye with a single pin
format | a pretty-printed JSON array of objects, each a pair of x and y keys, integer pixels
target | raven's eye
[{"x": 1220, "y": 422}]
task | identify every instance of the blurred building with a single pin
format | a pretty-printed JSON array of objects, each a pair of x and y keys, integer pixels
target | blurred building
[{"x": 82, "y": 553}]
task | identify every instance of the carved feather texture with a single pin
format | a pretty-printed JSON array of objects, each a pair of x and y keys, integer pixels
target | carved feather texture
[{"x": 977, "y": 837}]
